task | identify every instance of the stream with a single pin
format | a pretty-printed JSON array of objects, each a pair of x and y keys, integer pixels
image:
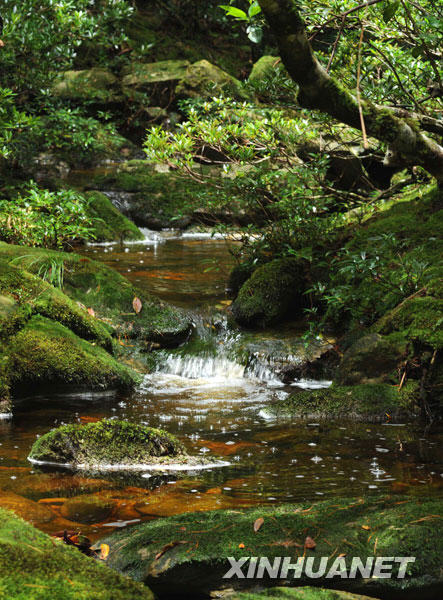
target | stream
[{"x": 213, "y": 399}]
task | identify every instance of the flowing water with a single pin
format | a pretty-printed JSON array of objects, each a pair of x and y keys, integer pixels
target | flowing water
[{"x": 210, "y": 393}]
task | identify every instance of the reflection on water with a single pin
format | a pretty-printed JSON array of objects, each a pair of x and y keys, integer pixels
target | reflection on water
[{"x": 213, "y": 403}]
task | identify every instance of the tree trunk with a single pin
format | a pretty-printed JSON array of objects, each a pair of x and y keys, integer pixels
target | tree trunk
[{"x": 407, "y": 143}]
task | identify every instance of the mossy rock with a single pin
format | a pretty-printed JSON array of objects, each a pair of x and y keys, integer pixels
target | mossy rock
[
  {"x": 299, "y": 593},
  {"x": 197, "y": 558},
  {"x": 143, "y": 75},
  {"x": 46, "y": 352},
  {"x": 158, "y": 200},
  {"x": 36, "y": 567},
  {"x": 238, "y": 276},
  {"x": 98, "y": 85},
  {"x": 109, "y": 294},
  {"x": 373, "y": 359},
  {"x": 420, "y": 319},
  {"x": 23, "y": 294},
  {"x": 273, "y": 293},
  {"x": 107, "y": 442},
  {"x": 373, "y": 402},
  {"x": 205, "y": 80},
  {"x": 108, "y": 222},
  {"x": 87, "y": 509},
  {"x": 264, "y": 68}
]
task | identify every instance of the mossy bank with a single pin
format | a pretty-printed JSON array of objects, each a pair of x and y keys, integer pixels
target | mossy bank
[{"x": 34, "y": 566}]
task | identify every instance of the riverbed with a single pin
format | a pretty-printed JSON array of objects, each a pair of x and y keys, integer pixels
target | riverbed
[{"x": 213, "y": 399}]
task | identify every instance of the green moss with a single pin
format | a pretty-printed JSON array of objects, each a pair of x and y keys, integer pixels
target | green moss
[
  {"x": 264, "y": 68},
  {"x": 341, "y": 526},
  {"x": 98, "y": 85},
  {"x": 24, "y": 294},
  {"x": 273, "y": 292},
  {"x": 373, "y": 359},
  {"x": 105, "y": 442},
  {"x": 300, "y": 593},
  {"x": 419, "y": 319},
  {"x": 160, "y": 199},
  {"x": 205, "y": 80},
  {"x": 363, "y": 402},
  {"x": 46, "y": 352},
  {"x": 108, "y": 222},
  {"x": 99, "y": 287},
  {"x": 35, "y": 567}
]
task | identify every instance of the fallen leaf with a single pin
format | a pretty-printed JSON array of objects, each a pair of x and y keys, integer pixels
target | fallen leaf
[
  {"x": 287, "y": 544},
  {"x": 91, "y": 312},
  {"x": 309, "y": 543},
  {"x": 241, "y": 545},
  {"x": 104, "y": 551},
  {"x": 168, "y": 547},
  {"x": 137, "y": 304},
  {"x": 366, "y": 527},
  {"x": 258, "y": 523}
]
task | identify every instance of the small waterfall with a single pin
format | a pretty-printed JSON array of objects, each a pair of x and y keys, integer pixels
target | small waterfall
[{"x": 203, "y": 367}]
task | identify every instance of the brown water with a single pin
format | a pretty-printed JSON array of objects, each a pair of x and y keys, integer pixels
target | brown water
[{"x": 204, "y": 395}]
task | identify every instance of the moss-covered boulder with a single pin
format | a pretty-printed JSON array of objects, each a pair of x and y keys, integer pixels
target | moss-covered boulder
[
  {"x": 273, "y": 293},
  {"x": 191, "y": 551},
  {"x": 23, "y": 294},
  {"x": 98, "y": 85},
  {"x": 372, "y": 402},
  {"x": 108, "y": 222},
  {"x": 109, "y": 295},
  {"x": 420, "y": 320},
  {"x": 299, "y": 593},
  {"x": 36, "y": 567},
  {"x": 47, "y": 353},
  {"x": 142, "y": 76},
  {"x": 373, "y": 359},
  {"x": 205, "y": 80},
  {"x": 264, "y": 68},
  {"x": 106, "y": 443}
]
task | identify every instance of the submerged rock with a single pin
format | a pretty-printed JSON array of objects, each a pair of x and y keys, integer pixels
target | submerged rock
[
  {"x": 191, "y": 551},
  {"x": 107, "y": 444},
  {"x": 273, "y": 293},
  {"x": 34, "y": 565},
  {"x": 372, "y": 402},
  {"x": 87, "y": 509}
]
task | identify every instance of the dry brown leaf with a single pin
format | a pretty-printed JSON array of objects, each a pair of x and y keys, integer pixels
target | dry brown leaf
[
  {"x": 287, "y": 544},
  {"x": 258, "y": 523},
  {"x": 366, "y": 527},
  {"x": 168, "y": 547},
  {"x": 309, "y": 543},
  {"x": 137, "y": 304},
  {"x": 91, "y": 312}
]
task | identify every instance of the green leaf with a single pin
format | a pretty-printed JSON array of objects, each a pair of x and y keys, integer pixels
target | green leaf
[
  {"x": 255, "y": 33},
  {"x": 232, "y": 11},
  {"x": 390, "y": 9},
  {"x": 254, "y": 9}
]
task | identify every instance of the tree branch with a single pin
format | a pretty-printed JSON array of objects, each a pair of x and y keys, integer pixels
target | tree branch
[{"x": 318, "y": 90}]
